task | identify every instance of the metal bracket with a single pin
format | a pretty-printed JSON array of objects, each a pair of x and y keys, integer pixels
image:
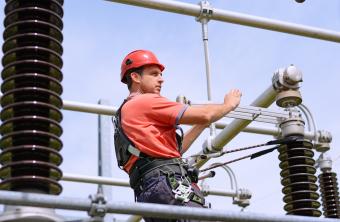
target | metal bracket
[
  {"x": 323, "y": 142},
  {"x": 287, "y": 78},
  {"x": 98, "y": 205},
  {"x": 242, "y": 198},
  {"x": 208, "y": 146},
  {"x": 206, "y": 12}
]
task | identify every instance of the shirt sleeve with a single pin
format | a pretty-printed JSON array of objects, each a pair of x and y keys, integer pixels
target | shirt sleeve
[{"x": 164, "y": 111}]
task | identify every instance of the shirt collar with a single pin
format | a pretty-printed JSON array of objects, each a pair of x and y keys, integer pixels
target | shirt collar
[{"x": 134, "y": 94}]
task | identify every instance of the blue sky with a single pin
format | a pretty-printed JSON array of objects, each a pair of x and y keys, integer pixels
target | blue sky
[{"x": 98, "y": 34}]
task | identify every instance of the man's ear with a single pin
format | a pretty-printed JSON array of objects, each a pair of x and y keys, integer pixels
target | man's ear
[{"x": 135, "y": 77}]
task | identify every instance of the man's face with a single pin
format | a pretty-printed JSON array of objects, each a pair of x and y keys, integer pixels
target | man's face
[{"x": 151, "y": 81}]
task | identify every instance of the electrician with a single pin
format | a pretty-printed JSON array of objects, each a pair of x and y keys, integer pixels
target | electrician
[{"x": 147, "y": 145}]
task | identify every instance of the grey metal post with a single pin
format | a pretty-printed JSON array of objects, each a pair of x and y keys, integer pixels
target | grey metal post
[
  {"x": 203, "y": 18},
  {"x": 105, "y": 154}
]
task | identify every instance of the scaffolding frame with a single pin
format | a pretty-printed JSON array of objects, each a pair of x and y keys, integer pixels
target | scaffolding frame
[{"x": 146, "y": 209}]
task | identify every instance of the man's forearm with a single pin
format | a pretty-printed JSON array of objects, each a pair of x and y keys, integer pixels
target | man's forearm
[
  {"x": 205, "y": 114},
  {"x": 216, "y": 112}
]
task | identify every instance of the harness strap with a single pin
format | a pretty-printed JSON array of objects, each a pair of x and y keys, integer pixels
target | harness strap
[{"x": 146, "y": 165}]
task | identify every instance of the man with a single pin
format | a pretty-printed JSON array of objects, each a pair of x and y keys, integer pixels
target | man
[{"x": 146, "y": 143}]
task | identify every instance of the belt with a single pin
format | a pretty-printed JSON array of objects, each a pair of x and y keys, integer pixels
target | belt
[
  {"x": 146, "y": 165},
  {"x": 170, "y": 167}
]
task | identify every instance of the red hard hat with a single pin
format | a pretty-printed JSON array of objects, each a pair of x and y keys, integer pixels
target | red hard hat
[{"x": 138, "y": 59}]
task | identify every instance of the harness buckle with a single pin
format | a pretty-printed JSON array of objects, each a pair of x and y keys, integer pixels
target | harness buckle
[{"x": 182, "y": 192}]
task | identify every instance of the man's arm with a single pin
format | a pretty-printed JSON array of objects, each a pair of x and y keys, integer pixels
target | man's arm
[{"x": 210, "y": 113}]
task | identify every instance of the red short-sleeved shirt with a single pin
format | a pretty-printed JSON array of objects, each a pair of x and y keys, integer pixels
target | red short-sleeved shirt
[{"x": 149, "y": 121}]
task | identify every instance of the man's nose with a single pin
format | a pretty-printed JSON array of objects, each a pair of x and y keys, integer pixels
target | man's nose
[{"x": 160, "y": 78}]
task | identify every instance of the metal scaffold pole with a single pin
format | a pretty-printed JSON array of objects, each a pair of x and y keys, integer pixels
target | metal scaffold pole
[
  {"x": 236, "y": 18},
  {"x": 147, "y": 209},
  {"x": 105, "y": 157},
  {"x": 203, "y": 18}
]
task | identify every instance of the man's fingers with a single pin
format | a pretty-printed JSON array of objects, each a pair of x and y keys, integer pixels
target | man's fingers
[{"x": 236, "y": 92}]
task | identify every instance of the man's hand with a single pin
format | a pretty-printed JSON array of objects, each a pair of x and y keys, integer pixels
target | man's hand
[
  {"x": 233, "y": 98},
  {"x": 206, "y": 114}
]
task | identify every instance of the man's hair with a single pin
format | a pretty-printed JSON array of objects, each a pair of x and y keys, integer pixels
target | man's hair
[{"x": 138, "y": 70}]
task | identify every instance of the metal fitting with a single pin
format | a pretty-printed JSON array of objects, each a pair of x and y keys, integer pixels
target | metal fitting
[
  {"x": 242, "y": 198},
  {"x": 293, "y": 125},
  {"x": 206, "y": 11},
  {"x": 98, "y": 205},
  {"x": 286, "y": 82},
  {"x": 208, "y": 146},
  {"x": 325, "y": 163},
  {"x": 324, "y": 138},
  {"x": 287, "y": 78}
]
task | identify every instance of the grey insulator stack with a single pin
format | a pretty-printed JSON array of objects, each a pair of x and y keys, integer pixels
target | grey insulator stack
[
  {"x": 330, "y": 194},
  {"x": 31, "y": 102},
  {"x": 298, "y": 179}
]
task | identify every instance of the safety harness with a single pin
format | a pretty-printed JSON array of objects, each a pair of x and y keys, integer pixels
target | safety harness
[
  {"x": 124, "y": 147},
  {"x": 180, "y": 185}
]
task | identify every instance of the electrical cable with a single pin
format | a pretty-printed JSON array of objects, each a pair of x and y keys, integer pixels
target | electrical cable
[
  {"x": 271, "y": 142},
  {"x": 252, "y": 156},
  {"x": 283, "y": 141}
]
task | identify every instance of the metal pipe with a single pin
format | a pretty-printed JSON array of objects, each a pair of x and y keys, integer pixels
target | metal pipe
[
  {"x": 95, "y": 180},
  {"x": 105, "y": 155},
  {"x": 89, "y": 108},
  {"x": 109, "y": 181},
  {"x": 146, "y": 209},
  {"x": 219, "y": 192},
  {"x": 236, "y": 18},
  {"x": 110, "y": 110},
  {"x": 206, "y": 56},
  {"x": 207, "y": 67},
  {"x": 203, "y": 19},
  {"x": 271, "y": 131}
]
